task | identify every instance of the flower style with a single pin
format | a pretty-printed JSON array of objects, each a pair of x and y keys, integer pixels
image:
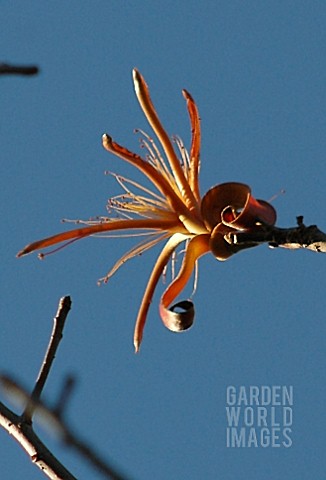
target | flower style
[{"x": 175, "y": 212}]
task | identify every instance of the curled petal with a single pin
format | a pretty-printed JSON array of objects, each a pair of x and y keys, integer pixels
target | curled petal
[
  {"x": 254, "y": 211},
  {"x": 172, "y": 319},
  {"x": 178, "y": 321},
  {"x": 221, "y": 249},
  {"x": 220, "y": 197},
  {"x": 267, "y": 213},
  {"x": 233, "y": 205}
]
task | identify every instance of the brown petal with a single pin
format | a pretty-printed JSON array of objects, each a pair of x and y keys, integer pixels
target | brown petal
[
  {"x": 177, "y": 321},
  {"x": 231, "y": 194},
  {"x": 232, "y": 204},
  {"x": 221, "y": 249},
  {"x": 254, "y": 211}
]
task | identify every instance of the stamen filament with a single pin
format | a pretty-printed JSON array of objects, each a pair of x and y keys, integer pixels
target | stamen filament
[
  {"x": 191, "y": 222},
  {"x": 137, "y": 250}
]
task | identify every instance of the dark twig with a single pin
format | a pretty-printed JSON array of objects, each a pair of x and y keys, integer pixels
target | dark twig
[
  {"x": 50, "y": 417},
  {"x": 56, "y": 336},
  {"x": 6, "y": 69},
  {"x": 89, "y": 454},
  {"x": 65, "y": 395},
  {"x": 310, "y": 238}
]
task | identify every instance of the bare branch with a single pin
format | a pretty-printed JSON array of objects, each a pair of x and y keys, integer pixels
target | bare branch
[
  {"x": 6, "y": 69},
  {"x": 33, "y": 446},
  {"x": 310, "y": 238},
  {"x": 20, "y": 426},
  {"x": 56, "y": 336},
  {"x": 25, "y": 435}
]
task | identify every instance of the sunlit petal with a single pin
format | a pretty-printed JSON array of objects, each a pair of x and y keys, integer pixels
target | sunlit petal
[
  {"x": 193, "y": 174},
  {"x": 79, "y": 233},
  {"x": 162, "y": 260},
  {"x": 142, "y": 93},
  {"x": 178, "y": 321}
]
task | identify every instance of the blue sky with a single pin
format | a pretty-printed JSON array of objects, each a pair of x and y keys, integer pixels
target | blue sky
[{"x": 257, "y": 72}]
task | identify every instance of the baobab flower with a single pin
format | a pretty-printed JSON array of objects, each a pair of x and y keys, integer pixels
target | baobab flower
[{"x": 174, "y": 212}]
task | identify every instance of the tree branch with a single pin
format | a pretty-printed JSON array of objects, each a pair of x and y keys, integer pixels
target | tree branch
[
  {"x": 310, "y": 238},
  {"x": 40, "y": 455},
  {"x": 25, "y": 435},
  {"x": 20, "y": 426},
  {"x": 6, "y": 69}
]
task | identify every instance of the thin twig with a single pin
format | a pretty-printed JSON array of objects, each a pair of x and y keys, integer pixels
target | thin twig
[
  {"x": 56, "y": 336},
  {"x": 88, "y": 453},
  {"x": 6, "y": 69},
  {"x": 65, "y": 394}
]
